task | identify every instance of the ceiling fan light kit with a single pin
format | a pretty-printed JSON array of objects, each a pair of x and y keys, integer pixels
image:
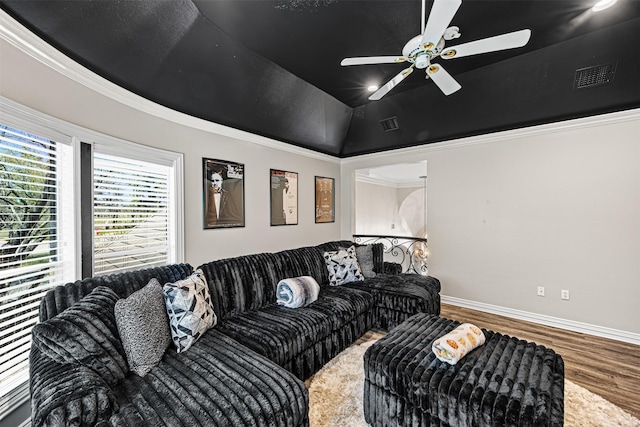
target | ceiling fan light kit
[
  {"x": 430, "y": 44},
  {"x": 603, "y": 4},
  {"x": 422, "y": 62}
]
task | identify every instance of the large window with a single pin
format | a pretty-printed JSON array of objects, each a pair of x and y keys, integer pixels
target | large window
[
  {"x": 36, "y": 243},
  {"x": 54, "y": 229},
  {"x": 131, "y": 214}
]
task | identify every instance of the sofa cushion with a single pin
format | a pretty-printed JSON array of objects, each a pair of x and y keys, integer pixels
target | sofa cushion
[
  {"x": 189, "y": 308},
  {"x": 389, "y": 289},
  {"x": 249, "y": 282},
  {"x": 218, "y": 382},
  {"x": 279, "y": 333},
  {"x": 124, "y": 284},
  {"x": 342, "y": 304},
  {"x": 343, "y": 266},
  {"x": 398, "y": 297},
  {"x": 306, "y": 261},
  {"x": 85, "y": 334},
  {"x": 243, "y": 283},
  {"x": 334, "y": 245},
  {"x": 143, "y": 325}
]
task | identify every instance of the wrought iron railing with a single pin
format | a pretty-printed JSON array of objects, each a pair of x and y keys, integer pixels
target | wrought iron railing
[{"x": 410, "y": 252}]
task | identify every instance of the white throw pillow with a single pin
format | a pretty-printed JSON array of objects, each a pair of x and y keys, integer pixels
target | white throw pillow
[
  {"x": 189, "y": 308},
  {"x": 343, "y": 266}
]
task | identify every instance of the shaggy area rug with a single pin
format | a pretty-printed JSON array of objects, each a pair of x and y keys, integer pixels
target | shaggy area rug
[{"x": 335, "y": 397}]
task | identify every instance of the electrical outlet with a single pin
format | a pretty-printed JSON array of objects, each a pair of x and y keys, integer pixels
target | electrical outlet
[
  {"x": 540, "y": 291},
  {"x": 564, "y": 294}
]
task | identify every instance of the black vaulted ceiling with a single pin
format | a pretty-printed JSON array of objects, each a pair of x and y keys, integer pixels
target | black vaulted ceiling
[{"x": 273, "y": 67}]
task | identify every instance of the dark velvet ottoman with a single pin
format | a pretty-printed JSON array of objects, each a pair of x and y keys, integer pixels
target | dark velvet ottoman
[{"x": 505, "y": 382}]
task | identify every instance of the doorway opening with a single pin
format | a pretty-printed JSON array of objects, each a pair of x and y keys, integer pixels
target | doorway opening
[{"x": 391, "y": 208}]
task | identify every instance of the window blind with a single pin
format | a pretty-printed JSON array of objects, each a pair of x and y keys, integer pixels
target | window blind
[
  {"x": 138, "y": 219},
  {"x": 33, "y": 254},
  {"x": 130, "y": 214}
]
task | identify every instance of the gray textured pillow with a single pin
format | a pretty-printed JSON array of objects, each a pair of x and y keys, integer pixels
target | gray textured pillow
[
  {"x": 365, "y": 259},
  {"x": 143, "y": 326}
]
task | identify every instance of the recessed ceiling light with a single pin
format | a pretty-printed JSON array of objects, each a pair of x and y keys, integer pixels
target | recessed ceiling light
[
  {"x": 603, "y": 4},
  {"x": 372, "y": 88}
]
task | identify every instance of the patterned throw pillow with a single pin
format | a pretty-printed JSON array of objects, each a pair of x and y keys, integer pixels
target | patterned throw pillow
[
  {"x": 343, "y": 266},
  {"x": 365, "y": 259},
  {"x": 190, "y": 309},
  {"x": 144, "y": 327}
]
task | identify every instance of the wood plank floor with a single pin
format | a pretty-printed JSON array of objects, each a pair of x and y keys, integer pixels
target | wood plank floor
[{"x": 603, "y": 366}]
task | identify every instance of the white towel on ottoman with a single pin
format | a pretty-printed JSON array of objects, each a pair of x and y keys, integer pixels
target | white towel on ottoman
[
  {"x": 297, "y": 292},
  {"x": 458, "y": 343}
]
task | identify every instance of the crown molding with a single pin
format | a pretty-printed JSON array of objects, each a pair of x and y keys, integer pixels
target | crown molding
[
  {"x": 581, "y": 123},
  {"x": 570, "y": 325},
  {"x": 380, "y": 180},
  {"x": 27, "y": 42}
]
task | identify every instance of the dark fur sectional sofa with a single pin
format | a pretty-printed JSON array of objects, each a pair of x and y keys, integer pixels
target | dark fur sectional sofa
[{"x": 246, "y": 370}]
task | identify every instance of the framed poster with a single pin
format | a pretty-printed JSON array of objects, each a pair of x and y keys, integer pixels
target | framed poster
[
  {"x": 284, "y": 197},
  {"x": 223, "y": 193},
  {"x": 325, "y": 199}
]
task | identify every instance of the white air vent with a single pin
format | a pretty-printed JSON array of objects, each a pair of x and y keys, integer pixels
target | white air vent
[{"x": 594, "y": 76}]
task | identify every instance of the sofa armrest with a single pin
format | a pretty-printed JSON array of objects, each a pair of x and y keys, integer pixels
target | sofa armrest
[
  {"x": 67, "y": 394},
  {"x": 392, "y": 268}
]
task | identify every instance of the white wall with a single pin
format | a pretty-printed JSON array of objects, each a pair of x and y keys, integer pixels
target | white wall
[
  {"x": 33, "y": 84},
  {"x": 555, "y": 206},
  {"x": 412, "y": 209},
  {"x": 376, "y": 208}
]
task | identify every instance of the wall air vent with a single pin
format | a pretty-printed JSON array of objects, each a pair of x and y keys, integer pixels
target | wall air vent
[
  {"x": 390, "y": 124},
  {"x": 594, "y": 76}
]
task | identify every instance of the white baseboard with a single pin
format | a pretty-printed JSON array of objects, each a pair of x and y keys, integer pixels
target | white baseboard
[{"x": 585, "y": 328}]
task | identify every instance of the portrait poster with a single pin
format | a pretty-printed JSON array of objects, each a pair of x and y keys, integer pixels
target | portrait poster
[
  {"x": 284, "y": 197},
  {"x": 223, "y": 193},
  {"x": 325, "y": 200}
]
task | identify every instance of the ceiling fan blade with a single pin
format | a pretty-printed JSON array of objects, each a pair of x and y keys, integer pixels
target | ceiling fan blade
[
  {"x": 443, "y": 79},
  {"x": 391, "y": 84},
  {"x": 491, "y": 44},
  {"x": 366, "y": 60},
  {"x": 442, "y": 13}
]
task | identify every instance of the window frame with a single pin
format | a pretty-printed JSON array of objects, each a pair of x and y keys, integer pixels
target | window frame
[
  {"x": 110, "y": 170},
  {"x": 118, "y": 147},
  {"x": 31, "y": 121},
  {"x": 27, "y": 119}
]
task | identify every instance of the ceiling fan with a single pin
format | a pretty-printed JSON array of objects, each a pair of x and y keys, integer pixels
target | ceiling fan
[{"x": 430, "y": 44}]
